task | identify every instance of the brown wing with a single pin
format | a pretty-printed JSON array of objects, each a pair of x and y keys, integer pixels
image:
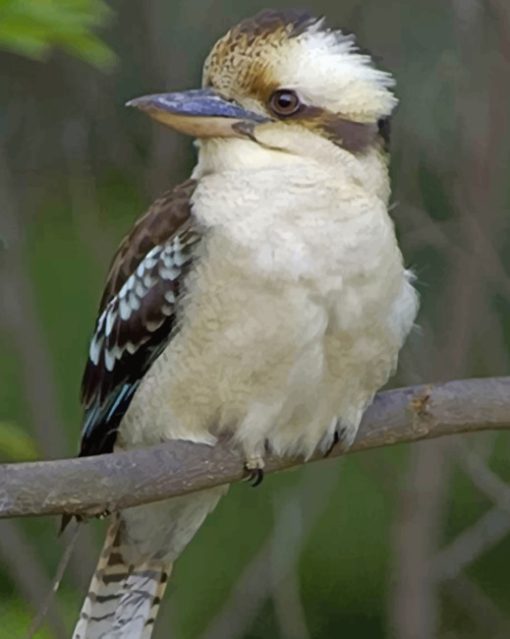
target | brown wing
[
  {"x": 137, "y": 313},
  {"x": 160, "y": 222}
]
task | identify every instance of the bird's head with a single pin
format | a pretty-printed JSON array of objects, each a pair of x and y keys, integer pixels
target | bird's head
[{"x": 282, "y": 72}]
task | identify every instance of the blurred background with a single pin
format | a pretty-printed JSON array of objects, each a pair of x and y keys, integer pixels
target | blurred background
[{"x": 411, "y": 542}]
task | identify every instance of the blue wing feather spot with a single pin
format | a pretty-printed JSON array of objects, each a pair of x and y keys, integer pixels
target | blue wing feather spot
[{"x": 108, "y": 415}]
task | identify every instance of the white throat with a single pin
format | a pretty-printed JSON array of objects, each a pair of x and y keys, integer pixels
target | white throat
[{"x": 281, "y": 151}]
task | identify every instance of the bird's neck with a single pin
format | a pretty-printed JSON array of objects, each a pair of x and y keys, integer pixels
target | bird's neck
[{"x": 244, "y": 158}]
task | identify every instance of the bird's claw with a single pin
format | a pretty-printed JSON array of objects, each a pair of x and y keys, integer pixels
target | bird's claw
[
  {"x": 254, "y": 467},
  {"x": 343, "y": 436},
  {"x": 334, "y": 442}
]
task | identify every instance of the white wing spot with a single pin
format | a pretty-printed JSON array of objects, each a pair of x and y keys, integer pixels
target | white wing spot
[
  {"x": 95, "y": 348},
  {"x": 151, "y": 258},
  {"x": 140, "y": 289},
  {"x": 179, "y": 258},
  {"x": 116, "y": 352},
  {"x": 134, "y": 302},
  {"x": 110, "y": 320},
  {"x": 149, "y": 281},
  {"x": 131, "y": 348},
  {"x": 127, "y": 286},
  {"x": 170, "y": 297},
  {"x": 168, "y": 260},
  {"x": 169, "y": 273},
  {"x": 124, "y": 308},
  {"x": 109, "y": 360},
  {"x": 100, "y": 322},
  {"x": 153, "y": 326}
]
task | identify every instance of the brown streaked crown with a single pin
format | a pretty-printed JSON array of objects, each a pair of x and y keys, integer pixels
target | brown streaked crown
[{"x": 239, "y": 63}]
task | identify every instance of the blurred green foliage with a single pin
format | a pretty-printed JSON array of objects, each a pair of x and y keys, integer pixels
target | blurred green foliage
[
  {"x": 16, "y": 444},
  {"x": 33, "y": 27}
]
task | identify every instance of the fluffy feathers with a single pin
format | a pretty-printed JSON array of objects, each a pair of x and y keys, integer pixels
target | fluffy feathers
[{"x": 291, "y": 313}]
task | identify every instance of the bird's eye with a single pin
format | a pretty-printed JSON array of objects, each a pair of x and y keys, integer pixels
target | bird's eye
[{"x": 284, "y": 102}]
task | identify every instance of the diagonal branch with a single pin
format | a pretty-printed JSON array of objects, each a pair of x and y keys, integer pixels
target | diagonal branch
[{"x": 89, "y": 486}]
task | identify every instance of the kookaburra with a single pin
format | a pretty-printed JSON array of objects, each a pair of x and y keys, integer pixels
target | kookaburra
[{"x": 264, "y": 299}]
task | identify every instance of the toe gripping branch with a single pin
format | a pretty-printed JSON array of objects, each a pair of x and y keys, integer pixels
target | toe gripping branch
[
  {"x": 254, "y": 476},
  {"x": 254, "y": 468},
  {"x": 334, "y": 442}
]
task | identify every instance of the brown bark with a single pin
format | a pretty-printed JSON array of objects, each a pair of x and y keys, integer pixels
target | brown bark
[{"x": 88, "y": 486}]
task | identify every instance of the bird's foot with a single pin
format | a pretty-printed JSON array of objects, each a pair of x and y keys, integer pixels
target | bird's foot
[
  {"x": 66, "y": 519},
  {"x": 334, "y": 442},
  {"x": 342, "y": 435},
  {"x": 254, "y": 467}
]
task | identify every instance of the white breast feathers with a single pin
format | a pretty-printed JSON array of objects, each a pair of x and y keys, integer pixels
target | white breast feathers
[{"x": 294, "y": 316}]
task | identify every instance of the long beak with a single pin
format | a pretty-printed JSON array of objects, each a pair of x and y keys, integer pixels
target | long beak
[{"x": 201, "y": 113}]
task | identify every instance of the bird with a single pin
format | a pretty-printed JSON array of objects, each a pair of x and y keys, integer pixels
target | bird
[{"x": 265, "y": 299}]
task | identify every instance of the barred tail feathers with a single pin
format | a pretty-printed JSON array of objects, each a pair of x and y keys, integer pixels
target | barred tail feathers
[{"x": 123, "y": 599}]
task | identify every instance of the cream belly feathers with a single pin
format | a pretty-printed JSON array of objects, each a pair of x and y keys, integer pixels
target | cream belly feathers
[{"x": 295, "y": 314}]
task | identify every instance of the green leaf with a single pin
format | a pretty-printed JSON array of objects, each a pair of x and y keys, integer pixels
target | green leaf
[
  {"x": 33, "y": 28},
  {"x": 15, "y": 444}
]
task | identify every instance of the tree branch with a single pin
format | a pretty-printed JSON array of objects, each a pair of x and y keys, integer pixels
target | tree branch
[{"x": 90, "y": 485}]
